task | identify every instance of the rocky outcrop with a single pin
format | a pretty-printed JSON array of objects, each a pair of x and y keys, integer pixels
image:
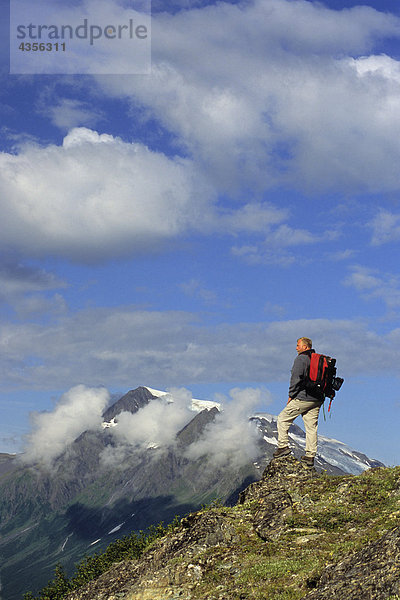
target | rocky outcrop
[
  {"x": 278, "y": 539},
  {"x": 167, "y": 565},
  {"x": 274, "y": 497}
]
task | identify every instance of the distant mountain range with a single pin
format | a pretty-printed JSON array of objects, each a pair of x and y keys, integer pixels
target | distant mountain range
[{"x": 83, "y": 503}]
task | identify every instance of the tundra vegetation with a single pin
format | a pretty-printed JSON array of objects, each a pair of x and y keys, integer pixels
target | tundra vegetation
[{"x": 280, "y": 540}]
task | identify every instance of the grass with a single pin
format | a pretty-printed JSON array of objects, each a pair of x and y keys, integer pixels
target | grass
[{"x": 331, "y": 517}]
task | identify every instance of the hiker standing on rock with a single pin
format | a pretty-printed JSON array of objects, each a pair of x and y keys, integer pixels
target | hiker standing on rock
[{"x": 301, "y": 402}]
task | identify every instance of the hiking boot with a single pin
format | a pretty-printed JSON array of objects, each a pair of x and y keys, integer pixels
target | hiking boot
[
  {"x": 307, "y": 461},
  {"x": 281, "y": 452}
]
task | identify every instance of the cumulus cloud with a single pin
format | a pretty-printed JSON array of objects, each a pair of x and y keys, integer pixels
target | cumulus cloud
[
  {"x": 78, "y": 410},
  {"x": 95, "y": 196},
  {"x": 231, "y": 439},
  {"x": 292, "y": 93},
  {"x": 382, "y": 65}
]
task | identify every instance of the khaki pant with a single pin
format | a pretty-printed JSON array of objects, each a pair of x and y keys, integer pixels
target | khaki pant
[{"x": 309, "y": 411}]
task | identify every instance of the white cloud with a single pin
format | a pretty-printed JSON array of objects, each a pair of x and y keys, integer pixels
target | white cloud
[
  {"x": 231, "y": 439},
  {"x": 277, "y": 96},
  {"x": 95, "y": 197},
  {"x": 362, "y": 278},
  {"x": 251, "y": 217},
  {"x": 254, "y": 254},
  {"x": 228, "y": 440},
  {"x": 115, "y": 457},
  {"x": 157, "y": 423},
  {"x": 342, "y": 254},
  {"x": 69, "y": 113},
  {"x": 125, "y": 346},
  {"x": 101, "y": 44},
  {"x": 382, "y": 65},
  {"x": 385, "y": 228},
  {"x": 275, "y": 248},
  {"x": 373, "y": 284},
  {"x": 78, "y": 410}
]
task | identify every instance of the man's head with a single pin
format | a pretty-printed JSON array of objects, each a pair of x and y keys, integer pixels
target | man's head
[{"x": 303, "y": 344}]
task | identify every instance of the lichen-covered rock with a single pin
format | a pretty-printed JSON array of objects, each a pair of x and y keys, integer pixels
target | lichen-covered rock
[
  {"x": 273, "y": 493},
  {"x": 283, "y": 473}
]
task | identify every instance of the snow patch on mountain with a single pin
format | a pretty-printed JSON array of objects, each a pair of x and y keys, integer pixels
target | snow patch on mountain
[
  {"x": 265, "y": 416},
  {"x": 196, "y": 404},
  {"x": 117, "y": 528},
  {"x": 108, "y": 424},
  {"x": 270, "y": 440},
  {"x": 199, "y": 405},
  {"x": 156, "y": 393}
]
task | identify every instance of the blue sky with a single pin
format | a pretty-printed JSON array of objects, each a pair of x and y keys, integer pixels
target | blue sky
[{"x": 184, "y": 228}]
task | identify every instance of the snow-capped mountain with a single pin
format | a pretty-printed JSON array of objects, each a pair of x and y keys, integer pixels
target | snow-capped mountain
[
  {"x": 195, "y": 405},
  {"x": 100, "y": 488},
  {"x": 333, "y": 456}
]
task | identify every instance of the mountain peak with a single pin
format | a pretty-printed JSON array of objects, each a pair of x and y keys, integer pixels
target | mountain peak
[{"x": 132, "y": 401}]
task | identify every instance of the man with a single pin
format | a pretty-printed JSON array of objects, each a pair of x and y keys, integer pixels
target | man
[{"x": 301, "y": 402}]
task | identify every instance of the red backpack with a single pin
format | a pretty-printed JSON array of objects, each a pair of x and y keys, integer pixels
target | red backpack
[{"x": 322, "y": 376}]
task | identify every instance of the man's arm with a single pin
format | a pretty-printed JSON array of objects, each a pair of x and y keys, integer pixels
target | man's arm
[{"x": 297, "y": 377}]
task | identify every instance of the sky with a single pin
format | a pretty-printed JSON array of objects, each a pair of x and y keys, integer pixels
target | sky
[{"x": 183, "y": 227}]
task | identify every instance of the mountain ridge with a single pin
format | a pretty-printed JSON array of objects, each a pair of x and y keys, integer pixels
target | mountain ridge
[{"x": 83, "y": 504}]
